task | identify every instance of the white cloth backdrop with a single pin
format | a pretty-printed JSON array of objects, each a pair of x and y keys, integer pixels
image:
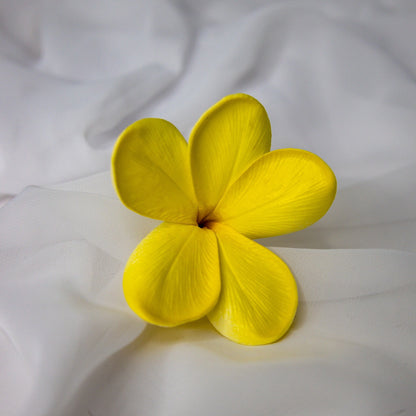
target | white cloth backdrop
[{"x": 337, "y": 77}]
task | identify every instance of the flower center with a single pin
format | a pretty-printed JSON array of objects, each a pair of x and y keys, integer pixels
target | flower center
[{"x": 204, "y": 223}]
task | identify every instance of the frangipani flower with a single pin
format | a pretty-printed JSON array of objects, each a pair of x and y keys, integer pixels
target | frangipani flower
[{"x": 215, "y": 195}]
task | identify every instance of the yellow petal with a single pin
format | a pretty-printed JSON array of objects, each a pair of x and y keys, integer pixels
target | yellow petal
[
  {"x": 258, "y": 297},
  {"x": 172, "y": 277},
  {"x": 151, "y": 172},
  {"x": 281, "y": 192},
  {"x": 224, "y": 142}
]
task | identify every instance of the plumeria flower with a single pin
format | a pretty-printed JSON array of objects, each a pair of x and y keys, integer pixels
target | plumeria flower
[{"x": 215, "y": 195}]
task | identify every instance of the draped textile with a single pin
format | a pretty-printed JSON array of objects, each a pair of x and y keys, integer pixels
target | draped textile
[{"x": 337, "y": 78}]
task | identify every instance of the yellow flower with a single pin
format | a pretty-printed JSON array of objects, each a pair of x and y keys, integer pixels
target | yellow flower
[{"x": 215, "y": 195}]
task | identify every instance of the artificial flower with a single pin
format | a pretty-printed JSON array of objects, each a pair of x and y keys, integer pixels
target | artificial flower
[{"x": 215, "y": 195}]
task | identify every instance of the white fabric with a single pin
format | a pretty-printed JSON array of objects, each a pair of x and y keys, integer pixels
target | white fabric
[{"x": 337, "y": 78}]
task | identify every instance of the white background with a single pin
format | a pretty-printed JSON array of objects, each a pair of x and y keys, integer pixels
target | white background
[{"x": 337, "y": 78}]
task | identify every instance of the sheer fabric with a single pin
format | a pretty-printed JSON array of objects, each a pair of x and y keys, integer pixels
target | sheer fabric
[{"x": 336, "y": 79}]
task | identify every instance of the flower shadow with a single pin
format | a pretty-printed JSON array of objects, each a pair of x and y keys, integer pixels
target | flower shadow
[{"x": 197, "y": 331}]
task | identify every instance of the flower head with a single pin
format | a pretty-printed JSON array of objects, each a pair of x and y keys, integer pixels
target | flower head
[{"x": 215, "y": 195}]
